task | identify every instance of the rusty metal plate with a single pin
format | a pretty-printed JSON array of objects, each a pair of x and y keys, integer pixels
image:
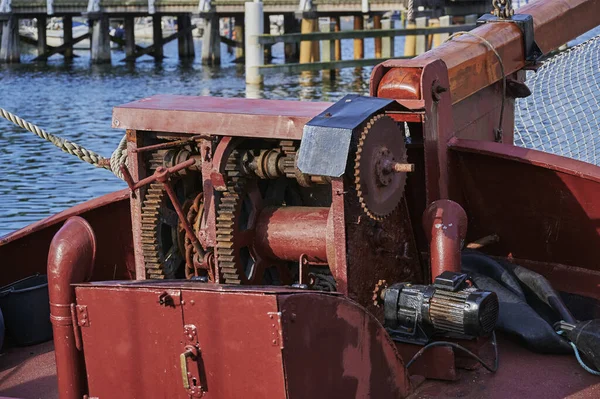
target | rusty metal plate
[
  {"x": 334, "y": 348},
  {"x": 132, "y": 344},
  {"x": 218, "y": 116},
  {"x": 236, "y": 334}
]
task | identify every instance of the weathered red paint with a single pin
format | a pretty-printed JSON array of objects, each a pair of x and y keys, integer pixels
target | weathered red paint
[
  {"x": 26, "y": 250},
  {"x": 261, "y": 332},
  {"x": 543, "y": 207},
  {"x": 472, "y": 66},
  {"x": 445, "y": 223},
  {"x": 71, "y": 260},
  {"x": 288, "y": 232},
  {"x": 218, "y": 116}
]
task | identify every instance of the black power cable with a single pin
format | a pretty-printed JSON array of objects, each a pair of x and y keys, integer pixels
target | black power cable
[{"x": 461, "y": 348}]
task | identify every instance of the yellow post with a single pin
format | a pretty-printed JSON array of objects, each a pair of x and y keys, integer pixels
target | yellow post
[
  {"x": 359, "y": 44},
  {"x": 306, "y": 47},
  {"x": 378, "y": 45},
  {"x": 437, "y": 38},
  {"x": 338, "y": 44},
  {"x": 410, "y": 42}
]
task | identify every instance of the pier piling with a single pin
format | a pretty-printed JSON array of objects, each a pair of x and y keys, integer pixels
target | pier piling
[
  {"x": 100, "y": 39},
  {"x": 41, "y": 35},
  {"x": 211, "y": 40},
  {"x": 157, "y": 37},
  {"x": 378, "y": 40},
  {"x": 359, "y": 44},
  {"x": 254, "y": 51},
  {"x": 387, "y": 43},
  {"x": 68, "y": 36},
  {"x": 338, "y": 43},
  {"x": 291, "y": 50},
  {"x": 129, "y": 36},
  {"x": 186, "y": 40},
  {"x": 10, "y": 51},
  {"x": 238, "y": 35},
  {"x": 421, "y": 41}
]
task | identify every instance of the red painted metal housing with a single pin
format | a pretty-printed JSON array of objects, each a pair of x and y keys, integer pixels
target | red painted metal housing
[{"x": 264, "y": 342}]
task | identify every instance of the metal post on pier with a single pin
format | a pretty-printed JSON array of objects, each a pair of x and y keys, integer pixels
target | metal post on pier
[{"x": 254, "y": 20}]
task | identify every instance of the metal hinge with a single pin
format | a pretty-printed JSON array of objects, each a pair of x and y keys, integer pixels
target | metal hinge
[{"x": 276, "y": 331}]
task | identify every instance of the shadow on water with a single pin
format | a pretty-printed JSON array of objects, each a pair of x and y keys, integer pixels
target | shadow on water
[{"x": 74, "y": 99}]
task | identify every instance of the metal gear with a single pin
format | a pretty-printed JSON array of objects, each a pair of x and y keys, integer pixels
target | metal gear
[
  {"x": 379, "y": 187},
  {"x": 162, "y": 256},
  {"x": 378, "y": 291},
  {"x": 237, "y": 211},
  {"x": 236, "y": 215},
  {"x": 163, "y": 244}
]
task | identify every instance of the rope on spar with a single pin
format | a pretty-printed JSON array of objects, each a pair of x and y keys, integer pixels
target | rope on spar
[{"x": 118, "y": 157}]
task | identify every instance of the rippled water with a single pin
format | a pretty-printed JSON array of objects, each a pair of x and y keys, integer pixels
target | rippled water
[{"x": 75, "y": 101}]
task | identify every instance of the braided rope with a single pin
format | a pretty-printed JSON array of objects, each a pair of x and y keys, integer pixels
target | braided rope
[
  {"x": 410, "y": 11},
  {"x": 118, "y": 157}
]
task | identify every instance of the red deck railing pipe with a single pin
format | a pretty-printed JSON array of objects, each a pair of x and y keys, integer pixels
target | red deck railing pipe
[
  {"x": 445, "y": 223},
  {"x": 70, "y": 260}
]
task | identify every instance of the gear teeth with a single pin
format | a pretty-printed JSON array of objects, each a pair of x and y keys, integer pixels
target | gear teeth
[
  {"x": 227, "y": 258},
  {"x": 357, "y": 163}
]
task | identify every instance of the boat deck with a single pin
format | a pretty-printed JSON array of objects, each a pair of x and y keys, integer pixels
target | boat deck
[{"x": 30, "y": 373}]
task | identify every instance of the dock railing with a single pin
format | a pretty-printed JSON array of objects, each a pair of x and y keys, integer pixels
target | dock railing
[{"x": 424, "y": 37}]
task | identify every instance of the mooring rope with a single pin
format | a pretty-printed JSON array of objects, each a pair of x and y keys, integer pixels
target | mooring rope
[{"x": 118, "y": 157}]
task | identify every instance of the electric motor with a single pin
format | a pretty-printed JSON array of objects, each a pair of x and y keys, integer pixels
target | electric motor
[{"x": 450, "y": 306}]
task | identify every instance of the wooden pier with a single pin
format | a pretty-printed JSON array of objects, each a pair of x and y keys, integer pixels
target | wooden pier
[{"x": 300, "y": 17}]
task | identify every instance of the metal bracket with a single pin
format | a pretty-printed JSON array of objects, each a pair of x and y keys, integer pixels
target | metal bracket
[
  {"x": 525, "y": 23},
  {"x": 83, "y": 319},
  {"x": 326, "y": 137},
  {"x": 276, "y": 333}
]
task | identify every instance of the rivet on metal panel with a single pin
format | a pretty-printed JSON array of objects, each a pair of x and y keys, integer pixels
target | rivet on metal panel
[
  {"x": 82, "y": 316},
  {"x": 276, "y": 333},
  {"x": 190, "y": 334}
]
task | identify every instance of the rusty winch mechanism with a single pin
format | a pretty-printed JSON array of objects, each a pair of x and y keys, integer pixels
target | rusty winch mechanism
[
  {"x": 252, "y": 210},
  {"x": 264, "y": 208}
]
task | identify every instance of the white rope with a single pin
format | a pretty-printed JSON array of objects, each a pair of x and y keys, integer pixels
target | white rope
[{"x": 118, "y": 157}]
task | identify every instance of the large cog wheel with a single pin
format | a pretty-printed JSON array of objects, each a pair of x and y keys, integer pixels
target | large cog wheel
[
  {"x": 237, "y": 213},
  {"x": 379, "y": 187},
  {"x": 162, "y": 245}
]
